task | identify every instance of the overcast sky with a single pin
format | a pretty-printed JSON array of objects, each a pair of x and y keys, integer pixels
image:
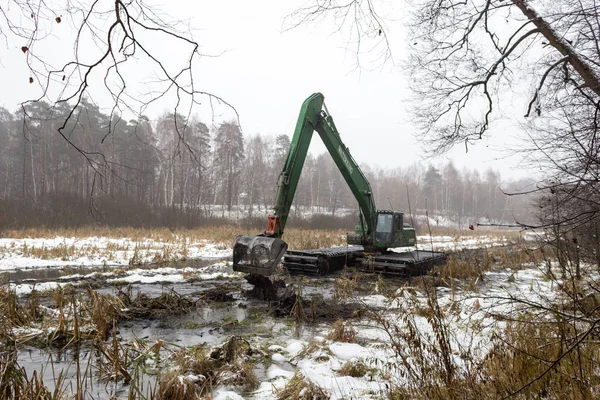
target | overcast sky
[{"x": 266, "y": 72}]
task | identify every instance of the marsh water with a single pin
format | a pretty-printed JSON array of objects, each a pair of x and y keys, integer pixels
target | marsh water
[{"x": 209, "y": 323}]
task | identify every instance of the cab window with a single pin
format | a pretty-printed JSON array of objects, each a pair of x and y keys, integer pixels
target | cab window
[
  {"x": 397, "y": 222},
  {"x": 383, "y": 229}
]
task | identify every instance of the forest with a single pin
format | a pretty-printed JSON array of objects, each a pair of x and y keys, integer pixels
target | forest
[{"x": 179, "y": 170}]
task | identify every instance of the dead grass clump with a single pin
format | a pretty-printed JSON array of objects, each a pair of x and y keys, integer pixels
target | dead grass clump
[
  {"x": 355, "y": 369},
  {"x": 63, "y": 252},
  {"x": 144, "y": 306},
  {"x": 218, "y": 294},
  {"x": 516, "y": 257},
  {"x": 240, "y": 374},
  {"x": 173, "y": 386},
  {"x": 297, "y": 311},
  {"x": 136, "y": 257},
  {"x": 233, "y": 349},
  {"x": 33, "y": 305},
  {"x": 13, "y": 314},
  {"x": 316, "y": 351},
  {"x": 164, "y": 256},
  {"x": 114, "y": 361},
  {"x": 466, "y": 265},
  {"x": 344, "y": 287},
  {"x": 195, "y": 361},
  {"x": 299, "y": 387},
  {"x": 292, "y": 304},
  {"x": 230, "y": 364},
  {"x": 104, "y": 311},
  {"x": 342, "y": 332},
  {"x": 77, "y": 317},
  {"x": 73, "y": 318},
  {"x": 470, "y": 265}
]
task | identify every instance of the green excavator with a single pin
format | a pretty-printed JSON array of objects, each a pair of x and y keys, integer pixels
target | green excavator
[{"x": 369, "y": 244}]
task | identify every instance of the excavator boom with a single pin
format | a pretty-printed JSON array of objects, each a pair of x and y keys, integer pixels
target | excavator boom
[
  {"x": 261, "y": 254},
  {"x": 314, "y": 118}
]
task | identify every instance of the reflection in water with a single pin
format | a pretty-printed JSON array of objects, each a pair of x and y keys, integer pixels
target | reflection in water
[
  {"x": 66, "y": 367},
  {"x": 42, "y": 274}
]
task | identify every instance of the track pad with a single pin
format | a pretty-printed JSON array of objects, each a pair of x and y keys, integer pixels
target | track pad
[{"x": 257, "y": 254}]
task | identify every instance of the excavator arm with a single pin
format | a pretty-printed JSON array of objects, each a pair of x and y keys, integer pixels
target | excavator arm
[
  {"x": 314, "y": 118},
  {"x": 261, "y": 254}
]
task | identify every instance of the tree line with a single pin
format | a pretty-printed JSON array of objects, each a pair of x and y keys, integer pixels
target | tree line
[{"x": 182, "y": 165}]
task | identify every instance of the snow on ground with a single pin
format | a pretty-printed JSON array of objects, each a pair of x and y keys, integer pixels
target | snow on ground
[
  {"x": 21, "y": 289},
  {"x": 36, "y": 253},
  {"x": 449, "y": 243},
  {"x": 172, "y": 275},
  {"x": 473, "y": 314},
  {"x": 135, "y": 275}
]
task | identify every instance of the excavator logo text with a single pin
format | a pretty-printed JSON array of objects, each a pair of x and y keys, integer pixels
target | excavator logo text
[{"x": 345, "y": 159}]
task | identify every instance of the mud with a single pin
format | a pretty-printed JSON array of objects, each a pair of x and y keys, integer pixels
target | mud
[
  {"x": 264, "y": 288},
  {"x": 220, "y": 294},
  {"x": 287, "y": 300},
  {"x": 315, "y": 309}
]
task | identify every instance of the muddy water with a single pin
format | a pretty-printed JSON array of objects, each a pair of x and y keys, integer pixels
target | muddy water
[
  {"x": 45, "y": 274},
  {"x": 210, "y": 324},
  {"x": 29, "y": 275},
  {"x": 213, "y": 323}
]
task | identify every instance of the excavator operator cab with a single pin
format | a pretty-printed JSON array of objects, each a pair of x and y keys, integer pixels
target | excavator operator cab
[{"x": 387, "y": 226}]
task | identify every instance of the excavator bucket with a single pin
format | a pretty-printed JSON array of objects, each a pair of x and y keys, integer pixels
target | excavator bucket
[{"x": 257, "y": 254}]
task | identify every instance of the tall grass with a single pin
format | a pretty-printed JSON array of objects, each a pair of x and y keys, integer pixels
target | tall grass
[
  {"x": 16, "y": 384},
  {"x": 537, "y": 350},
  {"x": 223, "y": 232}
]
